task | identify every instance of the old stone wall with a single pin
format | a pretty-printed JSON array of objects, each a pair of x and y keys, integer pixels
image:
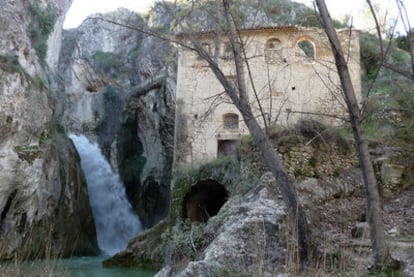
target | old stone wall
[{"x": 293, "y": 75}]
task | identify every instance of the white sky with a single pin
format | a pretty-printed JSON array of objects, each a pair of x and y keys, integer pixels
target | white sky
[{"x": 80, "y": 9}]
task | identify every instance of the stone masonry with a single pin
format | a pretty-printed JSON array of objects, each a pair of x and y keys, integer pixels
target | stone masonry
[{"x": 294, "y": 75}]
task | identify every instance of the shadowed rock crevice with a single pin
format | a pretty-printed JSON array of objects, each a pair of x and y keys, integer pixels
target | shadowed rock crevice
[
  {"x": 7, "y": 206},
  {"x": 204, "y": 200}
]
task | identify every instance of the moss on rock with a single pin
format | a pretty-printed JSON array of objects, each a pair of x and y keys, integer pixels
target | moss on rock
[
  {"x": 225, "y": 171},
  {"x": 28, "y": 153}
]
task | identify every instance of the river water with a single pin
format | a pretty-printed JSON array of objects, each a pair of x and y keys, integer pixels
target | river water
[{"x": 72, "y": 267}]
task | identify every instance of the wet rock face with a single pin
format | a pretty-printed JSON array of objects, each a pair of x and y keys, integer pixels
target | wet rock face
[
  {"x": 42, "y": 193},
  {"x": 154, "y": 115},
  {"x": 105, "y": 67}
]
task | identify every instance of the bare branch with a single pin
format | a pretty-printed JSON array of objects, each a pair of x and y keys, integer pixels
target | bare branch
[
  {"x": 321, "y": 114},
  {"x": 259, "y": 103},
  {"x": 385, "y": 52},
  {"x": 152, "y": 83}
]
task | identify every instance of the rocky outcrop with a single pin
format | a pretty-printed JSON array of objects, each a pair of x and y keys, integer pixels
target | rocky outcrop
[
  {"x": 393, "y": 169},
  {"x": 246, "y": 238},
  {"x": 228, "y": 218},
  {"x": 46, "y": 212},
  {"x": 120, "y": 93},
  {"x": 246, "y": 234},
  {"x": 96, "y": 58},
  {"x": 251, "y": 14},
  {"x": 225, "y": 240},
  {"x": 44, "y": 207}
]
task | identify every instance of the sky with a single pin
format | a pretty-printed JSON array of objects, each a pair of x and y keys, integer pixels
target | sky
[{"x": 80, "y": 9}]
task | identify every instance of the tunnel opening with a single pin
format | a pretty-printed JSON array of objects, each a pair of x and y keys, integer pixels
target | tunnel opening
[{"x": 204, "y": 200}]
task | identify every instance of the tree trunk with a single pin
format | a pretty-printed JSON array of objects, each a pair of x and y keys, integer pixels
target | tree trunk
[
  {"x": 272, "y": 160},
  {"x": 269, "y": 155},
  {"x": 377, "y": 233}
]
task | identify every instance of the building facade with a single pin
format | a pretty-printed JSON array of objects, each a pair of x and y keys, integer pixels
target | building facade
[{"x": 291, "y": 76}]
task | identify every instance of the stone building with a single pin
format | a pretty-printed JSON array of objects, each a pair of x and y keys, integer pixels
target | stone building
[{"x": 292, "y": 72}]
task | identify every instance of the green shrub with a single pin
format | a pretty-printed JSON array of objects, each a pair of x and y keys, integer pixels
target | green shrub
[
  {"x": 403, "y": 95},
  {"x": 28, "y": 153},
  {"x": 11, "y": 64},
  {"x": 40, "y": 83},
  {"x": 246, "y": 144},
  {"x": 107, "y": 62},
  {"x": 189, "y": 242},
  {"x": 402, "y": 42},
  {"x": 370, "y": 55},
  {"x": 41, "y": 26}
]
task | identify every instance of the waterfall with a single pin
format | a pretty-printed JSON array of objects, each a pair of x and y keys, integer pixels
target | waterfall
[{"x": 115, "y": 222}]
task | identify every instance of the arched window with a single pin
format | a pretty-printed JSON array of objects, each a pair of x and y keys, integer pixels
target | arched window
[
  {"x": 273, "y": 50},
  {"x": 227, "y": 51},
  {"x": 306, "y": 48},
  {"x": 230, "y": 121}
]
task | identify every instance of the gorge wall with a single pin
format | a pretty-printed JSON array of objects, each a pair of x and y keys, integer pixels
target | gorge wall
[
  {"x": 120, "y": 92},
  {"x": 111, "y": 83},
  {"x": 44, "y": 206}
]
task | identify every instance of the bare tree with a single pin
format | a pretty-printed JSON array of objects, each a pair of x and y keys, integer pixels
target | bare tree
[
  {"x": 238, "y": 93},
  {"x": 382, "y": 255},
  {"x": 385, "y": 48}
]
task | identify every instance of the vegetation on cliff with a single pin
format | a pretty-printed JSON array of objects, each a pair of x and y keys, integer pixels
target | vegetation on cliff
[
  {"x": 319, "y": 159},
  {"x": 384, "y": 128},
  {"x": 40, "y": 27}
]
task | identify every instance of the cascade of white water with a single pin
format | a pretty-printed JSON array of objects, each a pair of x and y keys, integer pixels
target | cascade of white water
[{"x": 115, "y": 222}]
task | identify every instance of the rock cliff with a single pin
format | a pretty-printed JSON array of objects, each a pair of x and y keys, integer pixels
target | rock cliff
[
  {"x": 44, "y": 207},
  {"x": 228, "y": 218},
  {"x": 120, "y": 92}
]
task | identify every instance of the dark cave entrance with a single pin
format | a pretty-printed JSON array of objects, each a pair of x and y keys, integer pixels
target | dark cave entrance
[{"x": 204, "y": 200}]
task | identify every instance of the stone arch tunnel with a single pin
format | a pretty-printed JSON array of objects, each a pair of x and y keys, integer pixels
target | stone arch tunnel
[{"x": 204, "y": 200}]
